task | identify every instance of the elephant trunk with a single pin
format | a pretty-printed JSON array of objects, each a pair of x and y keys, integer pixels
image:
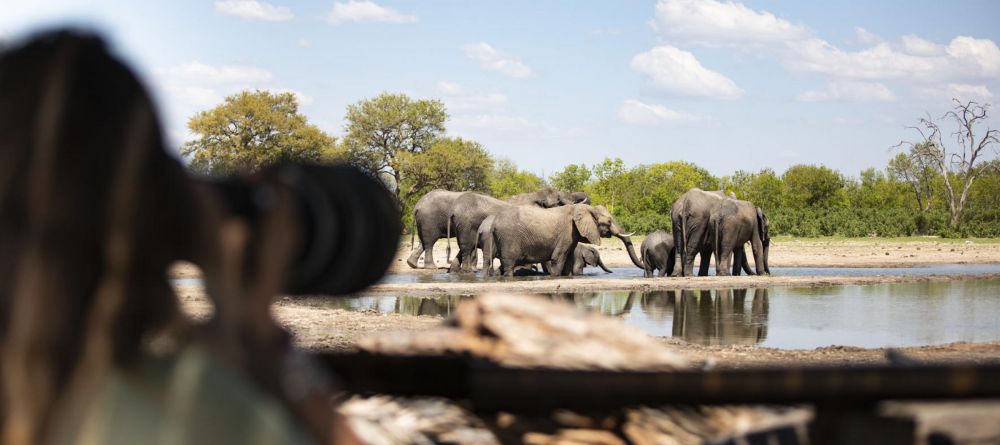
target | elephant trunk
[
  {"x": 631, "y": 251},
  {"x": 602, "y": 266}
]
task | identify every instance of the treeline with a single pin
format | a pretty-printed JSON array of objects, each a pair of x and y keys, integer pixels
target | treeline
[
  {"x": 404, "y": 142},
  {"x": 804, "y": 200}
]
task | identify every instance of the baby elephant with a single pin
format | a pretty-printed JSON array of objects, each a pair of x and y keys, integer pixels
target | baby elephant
[
  {"x": 658, "y": 253},
  {"x": 586, "y": 255}
]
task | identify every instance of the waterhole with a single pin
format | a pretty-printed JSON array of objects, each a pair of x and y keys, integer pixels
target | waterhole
[{"x": 881, "y": 315}]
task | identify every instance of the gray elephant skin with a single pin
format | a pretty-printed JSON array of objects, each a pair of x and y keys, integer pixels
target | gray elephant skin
[
  {"x": 690, "y": 217},
  {"x": 583, "y": 256},
  {"x": 525, "y": 235},
  {"x": 430, "y": 223},
  {"x": 734, "y": 223},
  {"x": 470, "y": 209},
  {"x": 586, "y": 255},
  {"x": 658, "y": 254}
]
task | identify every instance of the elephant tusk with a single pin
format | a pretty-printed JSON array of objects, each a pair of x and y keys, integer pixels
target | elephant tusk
[{"x": 628, "y": 234}]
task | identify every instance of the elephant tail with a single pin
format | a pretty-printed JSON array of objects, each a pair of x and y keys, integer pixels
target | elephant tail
[
  {"x": 718, "y": 240},
  {"x": 682, "y": 242},
  {"x": 413, "y": 232},
  {"x": 447, "y": 252},
  {"x": 745, "y": 264}
]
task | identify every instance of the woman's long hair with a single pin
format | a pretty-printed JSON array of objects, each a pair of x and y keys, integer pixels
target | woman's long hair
[{"x": 92, "y": 210}]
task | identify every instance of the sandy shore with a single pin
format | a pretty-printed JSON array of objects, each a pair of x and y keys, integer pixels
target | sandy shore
[{"x": 807, "y": 252}]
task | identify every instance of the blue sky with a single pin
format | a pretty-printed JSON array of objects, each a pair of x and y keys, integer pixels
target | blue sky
[{"x": 727, "y": 85}]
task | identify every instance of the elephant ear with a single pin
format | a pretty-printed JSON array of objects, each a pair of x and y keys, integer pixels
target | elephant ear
[{"x": 585, "y": 223}]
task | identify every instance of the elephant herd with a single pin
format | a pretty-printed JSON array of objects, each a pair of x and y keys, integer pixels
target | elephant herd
[{"x": 556, "y": 230}]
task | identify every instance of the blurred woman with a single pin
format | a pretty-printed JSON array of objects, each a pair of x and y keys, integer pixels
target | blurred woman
[{"x": 92, "y": 212}]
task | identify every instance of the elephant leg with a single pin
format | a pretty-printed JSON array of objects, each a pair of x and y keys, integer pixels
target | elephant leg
[
  {"x": 428, "y": 249},
  {"x": 559, "y": 258},
  {"x": 722, "y": 263},
  {"x": 412, "y": 260},
  {"x": 647, "y": 268},
  {"x": 739, "y": 257},
  {"x": 758, "y": 253},
  {"x": 692, "y": 246},
  {"x": 706, "y": 258},
  {"x": 466, "y": 252},
  {"x": 672, "y": 264},
  {"x": 506, "y": 267}
]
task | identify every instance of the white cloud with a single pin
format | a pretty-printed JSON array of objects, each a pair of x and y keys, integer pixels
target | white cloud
[
  {"x": 851, "y": 91},
  {"x": 303, "y": 43},
  {"x": 635, "y": 112},
  {"x": 717, "y": 23},
  {"x": 197, "y": 72},
  {"x": 202, "y": 85},
  {"x": 489, "y": 58},
  {"x": 865, "y": 36},
  {"x": 498, "y": 122},
  {"x": 962, "y": 92},
  {"x": 915, "y": 58},
  {"x": 457, "y": 97},
  {"x": 921, "y": 47},
  {"x": 366, "y": 11},
  {"x": 254, "y": 10},
  {"x": 675, "y": 71}
]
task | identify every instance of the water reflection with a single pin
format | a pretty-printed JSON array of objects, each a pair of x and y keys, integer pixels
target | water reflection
[
  {"x": 708, "y": 317},
  {"x": 894, "y": 314},
  {"x": 721, "y": 317},
  {"x": 634, "y": 272}
]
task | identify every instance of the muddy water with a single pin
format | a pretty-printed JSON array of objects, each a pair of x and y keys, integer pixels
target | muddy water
[
  {"x": 442, "y": 276},
  {"x": 897, "y": 314}
]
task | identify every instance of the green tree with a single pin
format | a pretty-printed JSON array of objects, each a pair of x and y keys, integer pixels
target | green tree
[
  {"x": 917, "y": 171},
  {"x": 449, "y": 163},
  {"x": 764, "y": 188},
  {"x": 253, "y": 129},
  {"x": 572, "y": 178},
  {"x": 610, "y": 182},
  {"x": 813, "y": 186},
  {"x": 508, "y": 180},
  {"x": 875, "y": 190},
  {"x": 383, "y": 132}
]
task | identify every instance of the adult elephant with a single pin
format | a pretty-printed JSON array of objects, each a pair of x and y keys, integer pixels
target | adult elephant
[
  {"x": 658, "y": 253},
  {"x": 527, "y": 235},
  {"x": 733, "y": 224},
  {"x": 583, "y": 256},
  {"x": 690, "y": 217},
  {"x": 430, "y": 220},
  {"x": 470, "y": 209}
]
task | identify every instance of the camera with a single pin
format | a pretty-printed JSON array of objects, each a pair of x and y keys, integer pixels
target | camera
[{"x": 348, "y": 223}]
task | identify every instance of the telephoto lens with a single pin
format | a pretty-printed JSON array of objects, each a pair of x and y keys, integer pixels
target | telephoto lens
[{"x": 348, "y": 228}]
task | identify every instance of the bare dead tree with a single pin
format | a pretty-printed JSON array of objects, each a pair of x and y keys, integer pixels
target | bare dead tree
[{"x": 957, "y": 167}]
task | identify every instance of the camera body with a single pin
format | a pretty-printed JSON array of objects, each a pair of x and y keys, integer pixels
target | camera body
[{"x": 348, "y": 223}]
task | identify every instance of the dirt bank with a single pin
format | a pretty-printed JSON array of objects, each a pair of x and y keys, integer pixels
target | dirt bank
[{"x": 808, "y": 252}]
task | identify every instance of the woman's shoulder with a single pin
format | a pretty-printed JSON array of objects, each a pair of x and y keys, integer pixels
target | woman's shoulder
[{"x": 189, "y": 397}]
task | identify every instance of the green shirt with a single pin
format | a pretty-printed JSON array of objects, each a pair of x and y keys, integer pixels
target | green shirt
[{"x": 190, "y": 398}]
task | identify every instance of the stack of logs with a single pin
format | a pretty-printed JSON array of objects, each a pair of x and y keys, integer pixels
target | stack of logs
[{"x": 533, "y": 332}]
